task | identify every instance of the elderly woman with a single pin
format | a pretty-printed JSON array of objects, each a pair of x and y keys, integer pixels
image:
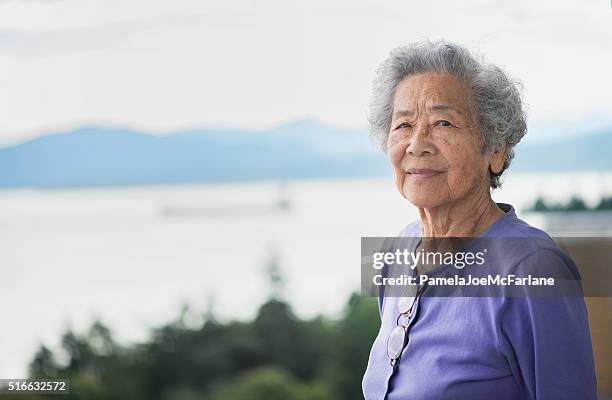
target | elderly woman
[{"x": 449, "y": 124}]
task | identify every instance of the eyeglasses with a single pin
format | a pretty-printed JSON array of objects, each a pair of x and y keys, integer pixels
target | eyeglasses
[{"x": 397, "y": 339}]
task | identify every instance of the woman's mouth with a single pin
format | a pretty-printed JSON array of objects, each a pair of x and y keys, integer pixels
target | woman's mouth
[{"x": 422, "y": 173}]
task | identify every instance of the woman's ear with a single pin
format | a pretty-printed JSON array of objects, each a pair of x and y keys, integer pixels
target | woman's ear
[{"x": 498, "y": 158}]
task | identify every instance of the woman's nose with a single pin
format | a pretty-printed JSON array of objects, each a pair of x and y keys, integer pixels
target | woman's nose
[{"x": 420, "y": 143}]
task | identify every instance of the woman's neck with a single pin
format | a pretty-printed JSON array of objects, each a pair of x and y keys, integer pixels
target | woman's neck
[{"x": 468, "y": 217}]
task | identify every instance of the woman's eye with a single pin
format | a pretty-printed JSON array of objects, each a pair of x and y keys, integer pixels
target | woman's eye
[
  {"x": 443, "y": 122},
  {"x": 404, "y": 125}
]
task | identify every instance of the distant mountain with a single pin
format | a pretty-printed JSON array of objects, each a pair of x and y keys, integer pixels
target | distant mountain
[
  {"x": 96, "y": 156},
  {"x": 592, "y": 152},
  {"x": 303, "y": 149}
]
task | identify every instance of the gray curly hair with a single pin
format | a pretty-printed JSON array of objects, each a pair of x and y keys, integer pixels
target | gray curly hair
[{"x": 496, "y": 97}]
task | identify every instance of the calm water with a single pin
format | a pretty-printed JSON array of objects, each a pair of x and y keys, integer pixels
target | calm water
[{"x": 132, "y": 256}]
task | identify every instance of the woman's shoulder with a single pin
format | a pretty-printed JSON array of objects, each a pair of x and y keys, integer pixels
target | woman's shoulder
[
  {"x": 527, "y": 245},
  {"x": 510, "y": 226}
]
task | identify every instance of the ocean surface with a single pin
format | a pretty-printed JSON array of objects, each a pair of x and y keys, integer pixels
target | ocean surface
[{"x": 133, "y": 256}]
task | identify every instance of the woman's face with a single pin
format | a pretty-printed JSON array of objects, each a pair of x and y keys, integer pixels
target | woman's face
[{"x": 435, "y": 147}]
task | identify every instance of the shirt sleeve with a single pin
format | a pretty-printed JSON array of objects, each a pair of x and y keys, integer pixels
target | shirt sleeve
[
  {"x": 388, "y": 244},
  {"x": 381, "y": 291},
  {"x": 546, "y": 340}
]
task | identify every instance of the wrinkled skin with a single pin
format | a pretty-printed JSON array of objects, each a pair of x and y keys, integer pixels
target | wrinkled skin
[{"x": 437, "y": 154}]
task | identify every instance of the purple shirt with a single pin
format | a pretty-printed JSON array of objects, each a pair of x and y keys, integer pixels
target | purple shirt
[{"x": 502, "y": 348}]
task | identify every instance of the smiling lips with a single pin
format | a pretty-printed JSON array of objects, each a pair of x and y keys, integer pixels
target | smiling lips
[{"x": 422, "y": 173}]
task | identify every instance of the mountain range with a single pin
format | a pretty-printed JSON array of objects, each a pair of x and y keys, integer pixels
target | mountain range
[{"x": 94, "y": 156}]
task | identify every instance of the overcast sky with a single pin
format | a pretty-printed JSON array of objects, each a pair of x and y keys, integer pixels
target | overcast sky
[{"x": 165, "y": 65}]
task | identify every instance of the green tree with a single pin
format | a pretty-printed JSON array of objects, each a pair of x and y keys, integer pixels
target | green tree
[
  {"x": 540, "y": 205},
  {"x": 353, "y": 341},
  {"x": 44, "y": 364},
  {"x": 272, "y": 383},
  {"x": 576, "y": 204}
]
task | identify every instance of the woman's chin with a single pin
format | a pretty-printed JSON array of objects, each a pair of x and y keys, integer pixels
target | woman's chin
[{"x": 423, "y": 199}]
